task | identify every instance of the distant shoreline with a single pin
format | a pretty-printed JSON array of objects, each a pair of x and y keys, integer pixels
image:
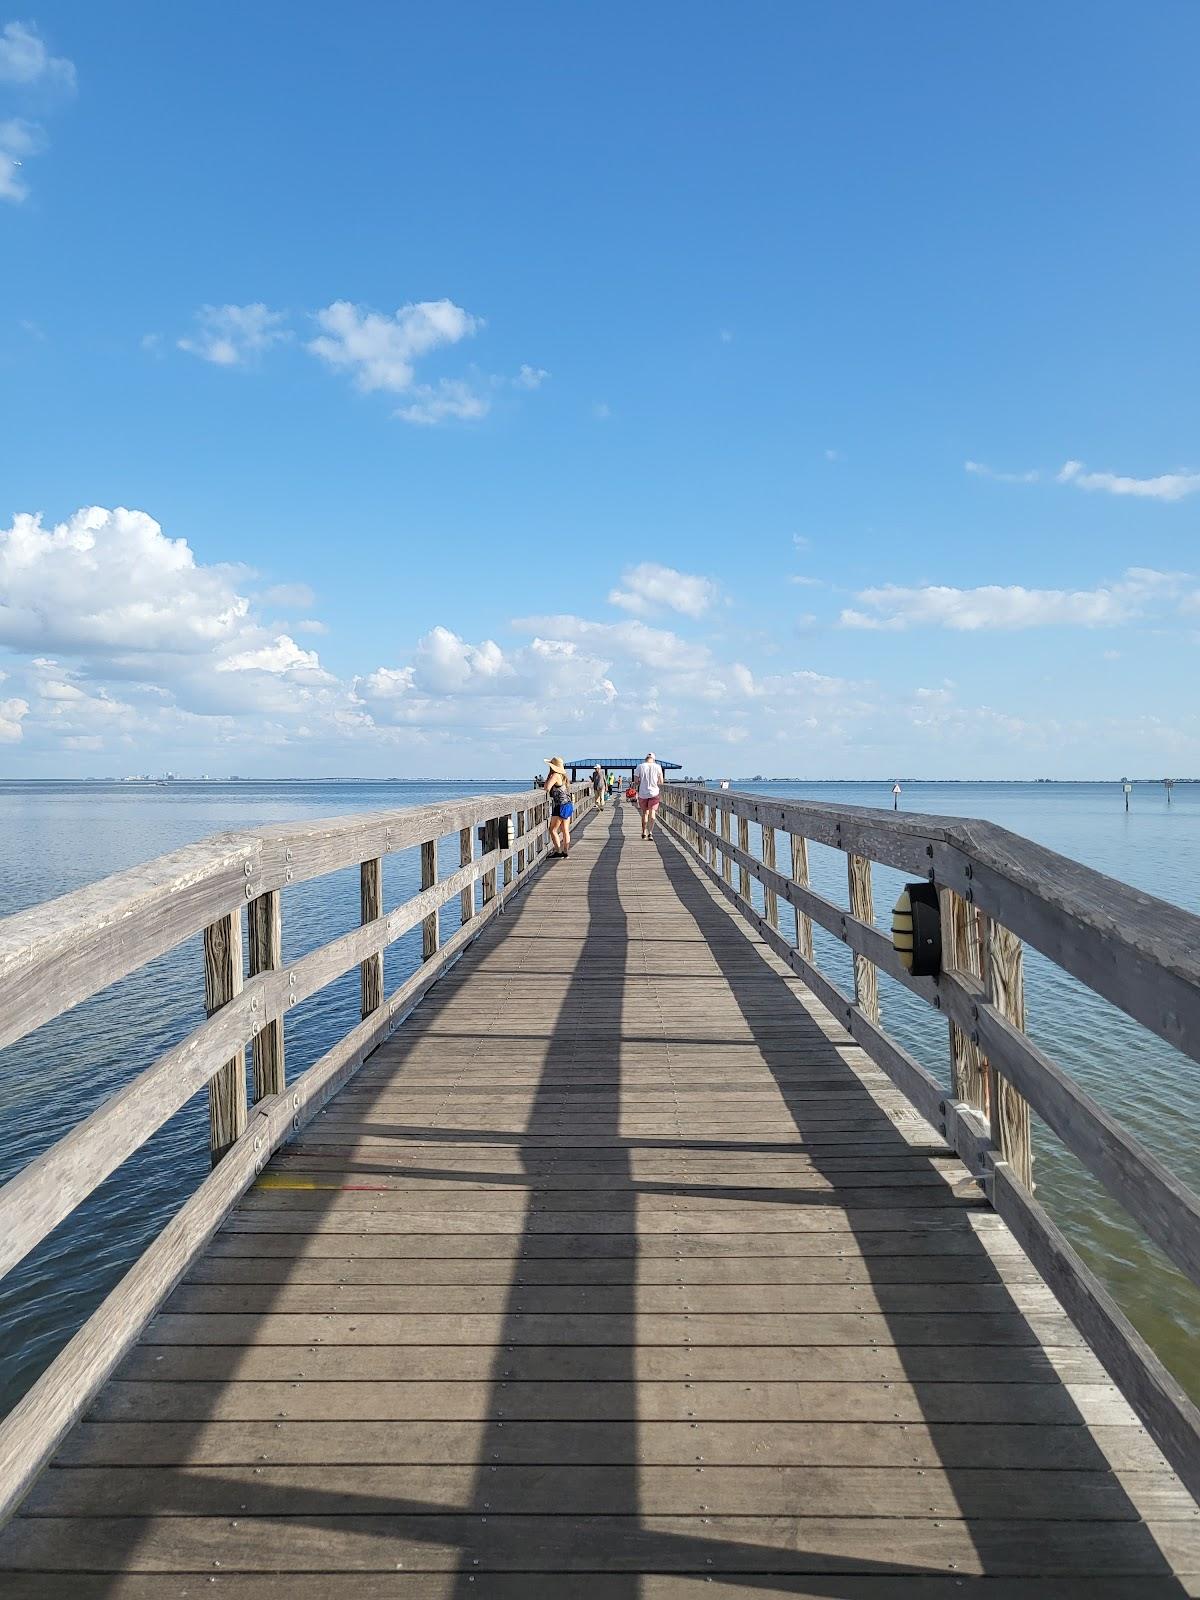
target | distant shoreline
[{"x": 217, "y": 783}]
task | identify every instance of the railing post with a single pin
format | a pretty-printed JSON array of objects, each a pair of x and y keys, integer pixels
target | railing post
[
  {"x": 866, "y": 979},
  {"x": 726, "y": 863},
  {"x": 508, "y": 868},
  {"x": 770, "y": 898},
  {"x": 744, "y": 847},
  {"x": 466, "y": 852},
  {"x": 961, "y": 945},
  {"x": 430, "y": 925},
  {"x": 222, "y": 981},
  {"x": 265, "y": 922},
  {"x": 370, "y": 971},
  {"x": 804, "y": 937},
  {"x": 1009, "y": 1111},
  {"x": 521, "y": 815}
]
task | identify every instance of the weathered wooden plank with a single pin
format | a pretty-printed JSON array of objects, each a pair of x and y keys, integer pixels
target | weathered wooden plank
[
  {"x": 371, "y": 902},
  {"x": 566, "y": 1401},
  {"x": 603, "y": 1364},
  {"x": 1009, "y": 1111},
  {"x": 552, "y": 1585},
  {"x": 573, "y": 1491},
  {"x": 962, "y": 952},
  {"x": 382, "y": 1541},
  {"x": 804, "y": 936},
  {"x": 430, "y": 930},
  {"x": 466, "y": 849},
  {"x": 222, "y": 982},
  {"x": 992, "y": 1446},
  {"x": 264, "y": 922},
  {"x": 866, "y": 982}
]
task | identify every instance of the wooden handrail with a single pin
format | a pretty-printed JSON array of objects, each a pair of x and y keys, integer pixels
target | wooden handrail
[
  {"x": 1136, "y": 951},
  {"x": 138, "y": 916}
]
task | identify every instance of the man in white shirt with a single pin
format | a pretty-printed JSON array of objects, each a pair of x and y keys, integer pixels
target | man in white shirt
[{"x": 648, "y": 776}]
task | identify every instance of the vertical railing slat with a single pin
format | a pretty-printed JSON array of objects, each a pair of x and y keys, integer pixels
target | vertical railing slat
[
  {"x": 370, "y": 895},
  {"x": 431, "y": 934},
  {"x": 222, "y": 981},
  {"x": 1009, "y": 1111},
  {"x": 804, "y": 927},
  {"x": 770, "y": 898},
  {"x": 962, "y": 951},
  {"x": 466, "y": 851},
  {"x": 744, "y": 847},
  {"x": 866, "y": 978},
  {"x": 265, "y": 924}
]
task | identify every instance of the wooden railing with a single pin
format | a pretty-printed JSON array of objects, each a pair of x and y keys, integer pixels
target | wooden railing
[
  {"x": 996, "y": 891},
  {"x": 56, "y": 955}
]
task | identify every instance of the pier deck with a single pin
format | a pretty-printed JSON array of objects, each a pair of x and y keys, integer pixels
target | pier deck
[{"x": 618, "y": 1270}]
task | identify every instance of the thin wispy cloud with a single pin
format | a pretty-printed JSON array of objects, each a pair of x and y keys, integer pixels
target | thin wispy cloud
[
  {"x": 1167, "y": 486},
  {"x": 530, "y": 377},
  {"x": 451, "y": 399},
  {"x": 649, "y": 589},
  {"x": 980, "y": 469},
  {"x": 235, "y": 336},
  {"x": 1012, "y": 607},
  {"x": 37, "y": 79}
]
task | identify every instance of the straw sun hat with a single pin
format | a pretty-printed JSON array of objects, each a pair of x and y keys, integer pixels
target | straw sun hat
[{"x": 555, "y": 763}]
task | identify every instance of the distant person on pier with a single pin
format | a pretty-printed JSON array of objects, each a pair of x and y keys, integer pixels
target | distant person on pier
[
  {"x": 648, "y": 776},
  {"x": 561, "y": 807},
  {"x": 614, "y": 785},
  {"x": 599, "y": 786}
]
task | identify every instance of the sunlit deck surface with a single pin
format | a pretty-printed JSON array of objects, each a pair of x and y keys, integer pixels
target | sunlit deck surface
[{"x": 619, "y": 1271}]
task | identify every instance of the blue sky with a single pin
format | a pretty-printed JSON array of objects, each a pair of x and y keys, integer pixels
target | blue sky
[{"x": 599, "y": 375}]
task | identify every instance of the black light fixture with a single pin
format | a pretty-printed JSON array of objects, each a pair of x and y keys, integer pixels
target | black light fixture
[{"x": 917, "y": 930}]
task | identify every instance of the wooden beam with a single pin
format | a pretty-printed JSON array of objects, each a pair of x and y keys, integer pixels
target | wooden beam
[
  {"x": 1009, "y": 1111},
  {"x": 521, "y": 816},
  {"x": 430, "y": 929},
  {"x": 804, "y": 935},
  {"x": 222, "y": 981},
  {"x": 726, "y": 863},
  {"x": 370, "y": 877},
  {"x": 265, "y": 923}
]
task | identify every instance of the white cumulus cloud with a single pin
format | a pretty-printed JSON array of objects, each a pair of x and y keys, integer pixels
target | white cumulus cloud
[
  {"x": 379, "y": 350},
  {"x": 1167, "y": 486},
  {"x": 232, "y": 336},
  {"x": 649, "y": 588},
  {"x": 11, "y": 713}
]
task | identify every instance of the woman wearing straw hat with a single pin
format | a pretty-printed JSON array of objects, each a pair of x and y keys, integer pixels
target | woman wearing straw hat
[{"x": 561, "y": 806}]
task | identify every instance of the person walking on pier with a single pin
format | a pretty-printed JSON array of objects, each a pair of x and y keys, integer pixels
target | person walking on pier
[
  {"x": 561, "y": 806},
  {"x": 648, "y": 776},
  {"x": 599, "y": 786}
]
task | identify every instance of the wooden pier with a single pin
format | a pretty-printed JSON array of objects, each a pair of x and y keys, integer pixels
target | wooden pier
[{"x": 624, "y": 1264}]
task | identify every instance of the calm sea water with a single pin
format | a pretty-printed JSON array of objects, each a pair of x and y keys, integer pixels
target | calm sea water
[{"x": 57, "y": 837}]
